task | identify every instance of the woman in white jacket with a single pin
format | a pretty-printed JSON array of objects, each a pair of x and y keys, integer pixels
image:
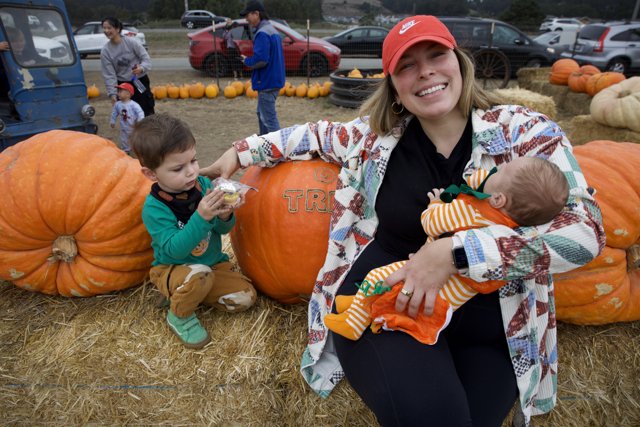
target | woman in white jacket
[{"x": 428, "y": 125}]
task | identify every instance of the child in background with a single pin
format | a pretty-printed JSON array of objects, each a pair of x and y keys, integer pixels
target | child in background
[
  {"x": 527, "y": 191},
  {"x": 186, "y": 217},
  {"x": 129, "y": 112}
]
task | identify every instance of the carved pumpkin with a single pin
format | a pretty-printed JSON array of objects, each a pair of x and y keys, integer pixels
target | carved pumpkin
[
  {"x": 618, "y": 105},
  {"x": 70, "y": 218},
  {"x": 607, "y": 289},
  {"x": 578, "y": 79},
  {"x": 281, "y": 234},
  {"x": 561, "y": 69},
  {"x": 597, "y": 82}
]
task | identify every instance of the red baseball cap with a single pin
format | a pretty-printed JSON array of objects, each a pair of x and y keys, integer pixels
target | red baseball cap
[
  {"x": 126, "y": 86},
  {"x": 410, "y": 31}
]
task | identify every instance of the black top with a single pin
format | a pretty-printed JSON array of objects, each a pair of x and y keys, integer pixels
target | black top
[{"x": 415, "y": 168}]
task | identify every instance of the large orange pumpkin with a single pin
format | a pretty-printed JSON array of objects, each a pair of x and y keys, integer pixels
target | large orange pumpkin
[
  {"x": 578, "y": 79},
  {"x": 597, "y": 82},
  {"x": 281, "y": 235},
  {"x": 561, "y": 69},
  {"x": 608, "y": 289},
  {"x": 70, "y": 217}
]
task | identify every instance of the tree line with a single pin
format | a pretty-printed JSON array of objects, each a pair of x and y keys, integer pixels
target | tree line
[{"x": 522, "y": 13}]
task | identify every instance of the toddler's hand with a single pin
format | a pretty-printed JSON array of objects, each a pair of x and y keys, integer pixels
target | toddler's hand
[
  {"x": 212, "y": 205},
  {"x": 435, "y": 194}
]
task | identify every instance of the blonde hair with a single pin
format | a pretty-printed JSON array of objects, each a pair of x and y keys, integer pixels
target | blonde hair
[
  {"x": 537, "y": 193},
  {"x": 379, "y": 107}
]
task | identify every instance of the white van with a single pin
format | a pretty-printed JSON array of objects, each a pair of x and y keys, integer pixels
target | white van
[{"x": 560, "y": 41}]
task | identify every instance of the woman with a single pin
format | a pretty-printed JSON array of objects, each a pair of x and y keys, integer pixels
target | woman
[
  {"x": 428, "y": 125},
  {"x": 125, "y": 60}
]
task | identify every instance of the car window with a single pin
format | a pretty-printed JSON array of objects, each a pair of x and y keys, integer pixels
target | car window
[
  {"x": 631, "y": 35},
  {"x": 84, "y": 30},
  {"x": 359, "y": 33},
  {"x": 592, "y": 32},
  {"x": 504, "y": 35},
  {"x": 377, "y": 33},
  {"x": 36, "y": 46}
]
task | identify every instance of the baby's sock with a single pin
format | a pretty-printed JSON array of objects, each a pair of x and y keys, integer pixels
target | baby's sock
[{"x": 352, "y": 322}]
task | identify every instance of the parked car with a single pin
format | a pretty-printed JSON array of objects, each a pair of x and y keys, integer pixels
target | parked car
[
  {"x": 478, "y": 35},
  {"x": 90, "y": 38},
  {"x": 610, "y": 46},
  {"x": 49, "y": 92},
  {"x": 561, "y": 41},
  {"x": 209, "y": 55},
  {"x": 360, "y": 41},
  {"x": 561, "y": 24},
  {"x": 199, "y": 18}
]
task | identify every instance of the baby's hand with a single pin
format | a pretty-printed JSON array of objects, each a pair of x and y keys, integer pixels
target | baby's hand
[
  {"x": 435, "y": 194},
  {"x": 212, "y": 205},
  {"x": 4, "y": 46}
]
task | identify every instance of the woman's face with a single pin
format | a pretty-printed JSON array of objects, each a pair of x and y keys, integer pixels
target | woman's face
[
  {"x": 109, "y": 30},
  {"x": 428, "y": 81}
]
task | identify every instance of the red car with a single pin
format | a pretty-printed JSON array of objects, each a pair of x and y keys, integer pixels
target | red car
[{"x": 320, "y": 56}]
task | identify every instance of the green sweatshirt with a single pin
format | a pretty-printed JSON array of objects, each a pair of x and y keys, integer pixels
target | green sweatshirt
[{"x": 196, "y": 242}]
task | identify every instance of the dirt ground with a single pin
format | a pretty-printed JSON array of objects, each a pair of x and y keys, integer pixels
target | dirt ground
[{"x": 217, "y": 122}]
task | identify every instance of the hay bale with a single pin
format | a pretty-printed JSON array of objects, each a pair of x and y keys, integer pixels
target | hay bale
[
  {"x": 111, "y": 360},
  {"x": 526, "y": 76},
  {"x": 582, "y": 129},
  {"x": 533, "y": 100},
  {"x": 576, "y": 103}
]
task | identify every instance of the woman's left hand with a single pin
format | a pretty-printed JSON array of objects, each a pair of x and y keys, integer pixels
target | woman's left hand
[{"x": 424, "y": 275}]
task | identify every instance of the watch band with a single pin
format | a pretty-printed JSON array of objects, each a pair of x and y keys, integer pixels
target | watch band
[{"x": 459, "y": 256}]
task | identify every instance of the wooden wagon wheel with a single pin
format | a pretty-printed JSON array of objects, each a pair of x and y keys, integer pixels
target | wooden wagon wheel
[{"x": 492, "y": 68}]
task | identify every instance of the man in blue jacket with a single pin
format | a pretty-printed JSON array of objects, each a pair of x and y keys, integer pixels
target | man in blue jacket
[{"x": 267, "y": 65}]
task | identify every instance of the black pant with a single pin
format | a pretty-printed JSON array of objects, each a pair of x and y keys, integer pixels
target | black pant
[
  {"x": 145, "y": 99},
  {"x": 465, "y": 379}
]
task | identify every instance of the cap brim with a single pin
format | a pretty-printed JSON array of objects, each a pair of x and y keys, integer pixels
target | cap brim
[{"x": 423, "y": 38}]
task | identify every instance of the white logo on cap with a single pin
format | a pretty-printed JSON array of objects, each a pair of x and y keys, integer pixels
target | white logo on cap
[{"x": 407, "y": 25}]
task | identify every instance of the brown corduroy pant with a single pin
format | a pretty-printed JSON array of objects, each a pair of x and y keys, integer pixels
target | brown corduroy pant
[{"x": 186, "y": 286}]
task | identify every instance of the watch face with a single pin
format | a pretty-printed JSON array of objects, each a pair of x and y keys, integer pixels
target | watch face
[{"x": 460, "y": 258}]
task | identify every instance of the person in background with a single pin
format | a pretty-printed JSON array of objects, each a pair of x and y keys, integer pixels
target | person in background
[
  {"x": 129, "y": 113},
  {"x": 18, "y": 45},
  {"x": 233, "y": 53},
  {"x": 429, "y": 125},
  {"x": 125, "y": 60},
  {"x": 185, "y": 218},
  {"x": 267, "y": 65}
]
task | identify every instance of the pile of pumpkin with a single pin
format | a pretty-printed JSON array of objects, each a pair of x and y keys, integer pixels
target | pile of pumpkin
[
  {"x": 616, "y": 99},
  {"x": 357, "y": 74}
]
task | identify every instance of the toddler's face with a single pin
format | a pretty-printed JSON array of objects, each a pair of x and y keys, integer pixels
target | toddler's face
[
  {"x": 178, "y": 171},
  {"x": 124, "y": 94}
]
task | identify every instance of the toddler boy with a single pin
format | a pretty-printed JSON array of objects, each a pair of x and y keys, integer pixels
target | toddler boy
[
  {"x": 129, "y": 112},
  {"x": 185, "y": 218}
]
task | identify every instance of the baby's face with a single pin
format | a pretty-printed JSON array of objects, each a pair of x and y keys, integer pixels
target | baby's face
[{"x": 124, "y": 94}]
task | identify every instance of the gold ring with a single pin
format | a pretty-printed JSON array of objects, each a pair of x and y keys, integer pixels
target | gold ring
[{"x": 406, "y": 293}]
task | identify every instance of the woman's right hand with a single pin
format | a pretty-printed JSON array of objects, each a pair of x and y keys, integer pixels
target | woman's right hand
[{"x": 225, "y": 166}]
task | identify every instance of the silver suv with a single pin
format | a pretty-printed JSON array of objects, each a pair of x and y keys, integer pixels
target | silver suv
[{"x": 611, "y": 46}]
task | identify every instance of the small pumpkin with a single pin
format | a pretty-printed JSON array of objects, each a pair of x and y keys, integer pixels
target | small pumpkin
[
  {"x": 290, "y": 90},
  {"x": 607, "y": 289},
  {"x": 301, "y": 90},
  {"x": 295, "y": 199},
  {"x": 160, "y": 92},
  {"x": 313, "y": 92},
  {"x": 173, "y": 91},
  {"x": 68, "y": 228},
  {"x": 618, "y": 105},
  {"x": 599, "y": 81},
  {"x": 184, "y": 91},
  {"x": 196, "y": 90},
  {"x": 578, "y": 79},
  {"x": 561, "y": 69},
  {"x": 212, "y": 90},
  {"x": 230, "y": 92},
  {"x": 250, "y": 92},
  {"x": 93, "y": 91},
  {"x": 239, "y": 87}
]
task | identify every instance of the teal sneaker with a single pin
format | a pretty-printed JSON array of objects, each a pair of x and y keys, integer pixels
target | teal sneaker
[{"x": 188, "y": 330}]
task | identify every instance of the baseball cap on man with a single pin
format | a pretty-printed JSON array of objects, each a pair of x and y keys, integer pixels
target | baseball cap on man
[
  {"x": 410, "y": 31},
  {"x": 126, "y": 86},
  {"x": 252, "y": 6}
]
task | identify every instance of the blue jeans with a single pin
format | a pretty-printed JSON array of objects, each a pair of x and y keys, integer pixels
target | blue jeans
[{"x": 267, "y": 116}]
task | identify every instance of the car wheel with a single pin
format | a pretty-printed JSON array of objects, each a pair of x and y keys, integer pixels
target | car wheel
[
  {"x": 316, "y": 66},
  {"x": 190, "y": 25},
  {"x": 534, "y": 63},
  {"x": 619, "y": 65},
  {"x": 216, "y": 65},
  {"x": 558, "y": 29}
]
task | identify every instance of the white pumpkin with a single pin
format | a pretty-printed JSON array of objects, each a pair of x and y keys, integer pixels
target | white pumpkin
[{"x": 618, "y": 105}]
